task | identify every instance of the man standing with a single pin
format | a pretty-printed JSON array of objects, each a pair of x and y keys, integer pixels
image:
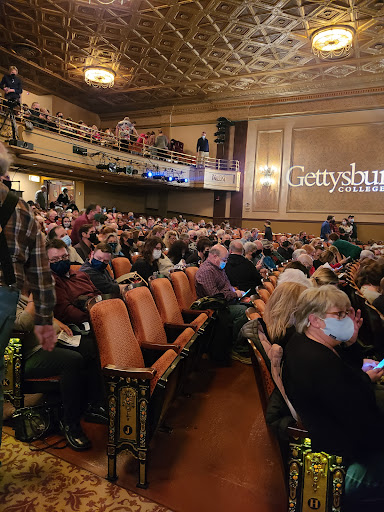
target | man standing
[
  {"x": 63, "y": 197},
  {"x": 86, "y": 218},
  {"x": 41, "y": 197},
  {"x": 22, "y": 258},
  {"x": 268, "y": 231},
  {"x": 326, "y": 229},
  {"x": 212, "y": 281},
  {"x": 11, "y": 85},
  {"x": 351, "y": 219},
  {"x": 202, "y": 148},
  {"x": 161, "y": 144}
]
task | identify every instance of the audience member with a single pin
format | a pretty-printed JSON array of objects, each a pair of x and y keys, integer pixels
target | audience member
[
  {"x": 285, "y": 249},
  {"x": 347, "y": 249},
  {"x": 326, "y": 228},
  {"x": 96, "y": 268},
  {"x": 41, "y": 197},
  {"x": 60, "y": 233},
  {"x": 268, "y": 231},
  {"x": 86, "y": 218},
  {"x": 241, "y": 272},
  {"x": 324, "y": 276},
  {"x": 147, "y": 264},
  {"x": 88, "y": 239}
]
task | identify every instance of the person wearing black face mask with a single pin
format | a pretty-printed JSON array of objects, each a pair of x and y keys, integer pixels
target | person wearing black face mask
[
  {"x": 202, "y": 252},
  {"x": 284, "y": 249},
  {"x": 73, "y": 289},
  {"x": 240, "y": 271},
  {"x": 88, "y": 239},
  {"x": 96, "y": 268},
  {"x": 6, "y": 180},
  {"x": 126, "y": 243}
]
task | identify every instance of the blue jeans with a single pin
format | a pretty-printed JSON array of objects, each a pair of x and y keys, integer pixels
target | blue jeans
[
  {"x": 8, "y": 303},
  {"x": 364, "y": 484}
]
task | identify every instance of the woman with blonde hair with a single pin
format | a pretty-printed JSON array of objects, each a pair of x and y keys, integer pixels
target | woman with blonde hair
[
  {"x": 331, "y": 390},
  {"x": 324, "y": 276},
  {"x": 169, "y": 238},
  {"x": 279, "y": 311}
]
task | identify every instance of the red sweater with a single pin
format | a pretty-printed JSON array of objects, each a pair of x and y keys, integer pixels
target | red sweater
[
  {"x": 80, "y": 221},
  {"x": 68, "y": 289}
]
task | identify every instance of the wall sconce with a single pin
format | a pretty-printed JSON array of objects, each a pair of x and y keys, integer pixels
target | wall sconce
[{"x": 267, "y": 172}]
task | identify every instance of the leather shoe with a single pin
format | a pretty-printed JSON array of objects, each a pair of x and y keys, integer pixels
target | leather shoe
[
  {"x": 96, "y": 414},
  {"x": 75, "y": 436}
]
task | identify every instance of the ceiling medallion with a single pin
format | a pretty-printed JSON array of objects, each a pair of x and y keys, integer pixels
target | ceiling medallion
[
  {"x": 106, "y": 2},
  {"x": 334, "y": 42},
  {"x": 99, "y": 76}
]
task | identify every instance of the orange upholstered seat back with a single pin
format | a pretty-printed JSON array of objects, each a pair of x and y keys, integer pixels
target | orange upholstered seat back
[
  {"x": 146, "y": 321},
  {"x": 269, "y": 286},
  {"x": 114, "y": 334},
  {"x": 191, "y": 274},
  {"x": 121, "y": 266},
  {"x": 182, "y": 289},
  {"x": 166, "y": 301}
]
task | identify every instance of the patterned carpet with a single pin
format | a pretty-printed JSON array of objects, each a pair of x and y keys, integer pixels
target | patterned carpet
[{"x": 40, "y": 482}]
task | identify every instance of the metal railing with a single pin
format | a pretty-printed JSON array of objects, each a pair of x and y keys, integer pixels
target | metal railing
[{"x": 132, "y": 144}]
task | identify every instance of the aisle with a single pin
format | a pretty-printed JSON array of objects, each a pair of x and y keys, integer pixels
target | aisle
[{"x": 220, "y": 456}]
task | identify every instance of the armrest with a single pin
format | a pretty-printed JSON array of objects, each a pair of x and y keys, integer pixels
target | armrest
[
  {"x": 160, "y": 346},
  {"x": 297, "y": 431},
  {"x": 175, "y": 327},
  {"x": 133, "y": 373}
]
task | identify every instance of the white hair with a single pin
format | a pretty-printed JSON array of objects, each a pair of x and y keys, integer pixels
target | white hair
[
  {"x": 297, "y": 253},
  {"x": 367, "y": 254},
  {"x": 294, "y": 275}
]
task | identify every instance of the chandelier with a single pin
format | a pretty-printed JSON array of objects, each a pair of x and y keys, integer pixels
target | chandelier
[
  {"x": 99, "y": 76},
  {"x": 333, "y": 42}
]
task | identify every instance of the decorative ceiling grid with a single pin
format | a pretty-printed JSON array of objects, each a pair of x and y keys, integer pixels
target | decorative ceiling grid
[{"x": 169, "y": 51}]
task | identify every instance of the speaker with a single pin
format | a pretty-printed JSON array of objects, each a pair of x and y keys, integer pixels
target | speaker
[
  {"x": 20, "y": 144},
  {"x": 78, "y": 150}
]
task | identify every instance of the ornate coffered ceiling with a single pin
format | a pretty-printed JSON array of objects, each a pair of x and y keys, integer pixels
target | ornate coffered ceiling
[{"x": 175, "y": 52}]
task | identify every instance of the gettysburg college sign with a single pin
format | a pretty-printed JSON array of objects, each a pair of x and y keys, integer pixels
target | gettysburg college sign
[{"x": 341, "y": 181}]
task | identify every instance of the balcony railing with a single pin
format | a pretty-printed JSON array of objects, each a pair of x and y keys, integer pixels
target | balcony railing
[{"x": 133, "y": 144}]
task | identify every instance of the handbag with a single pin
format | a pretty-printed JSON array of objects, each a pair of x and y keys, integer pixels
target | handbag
[{"x": 38, "y": 422}]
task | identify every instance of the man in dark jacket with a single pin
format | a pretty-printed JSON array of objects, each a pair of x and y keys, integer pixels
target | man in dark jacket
[
  {"x": 268, "y": 231},
  {"x": 202, "y": 148},
  {"x": 241, "y": 272},
  {"x": 11, "y": 85},
  {"x": 285, "y": 250},
  {"x": 88, "y": 238},
  {"x": 96, "y": 268}
]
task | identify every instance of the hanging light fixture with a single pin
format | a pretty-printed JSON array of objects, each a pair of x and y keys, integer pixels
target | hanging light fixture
[
  {"x": 333, "y": 42},
  {"x": 99, "y": 76}
]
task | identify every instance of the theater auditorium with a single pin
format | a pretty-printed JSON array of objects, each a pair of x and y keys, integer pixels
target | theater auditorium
[{"x": 191, "y": 255}]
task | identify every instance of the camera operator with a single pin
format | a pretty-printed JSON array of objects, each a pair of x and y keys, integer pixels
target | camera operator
[{"x": 11, "y": 84}]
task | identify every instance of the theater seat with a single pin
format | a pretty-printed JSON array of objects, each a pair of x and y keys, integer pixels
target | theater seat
[
  {"x": 268, "y": 286},
  {"x": 191, "y": 274},
  {"x": 169, "y": 309},
  {"x": 121, "y": 266},
  {"x": 138, "y": 394},
  {"x": 183, "y": 292},
  {"x": 148, "y": 325},
  {"x": 263, "y": 293},
  {"x": 134, "y": 257}
]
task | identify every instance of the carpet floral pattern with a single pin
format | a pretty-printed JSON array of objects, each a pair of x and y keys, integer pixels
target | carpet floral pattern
[{"x": 41, "y": 482}]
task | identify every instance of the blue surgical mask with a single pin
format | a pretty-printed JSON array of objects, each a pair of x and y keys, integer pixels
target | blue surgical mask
[
  {"x": 98, "y": 265},
  {"x": 222, "y": 264},
  {"x": 61, "y": 267},
  {"x": 340, "y": 330},
  {"x": 67, "y": 240}
]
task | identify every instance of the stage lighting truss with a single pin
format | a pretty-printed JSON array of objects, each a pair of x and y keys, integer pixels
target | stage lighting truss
[{"x": 168, "y": 175}]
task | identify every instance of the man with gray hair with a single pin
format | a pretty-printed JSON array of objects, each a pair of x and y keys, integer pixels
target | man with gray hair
[
  {"x": 212, "y": 281},
  {"x": 23, "y": 260},
  {"x": 241, "y": 272},
  {"x": 41, "y": 197},
  {"x": 296, "y": 254}
]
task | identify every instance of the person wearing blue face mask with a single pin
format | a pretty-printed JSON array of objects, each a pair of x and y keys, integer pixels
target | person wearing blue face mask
[
  {"x": 96, "y": 268},
  {"x": 331, "y": 387},
  {"x": 60, "y": 233},
  {"x": 212, "y": 281}
]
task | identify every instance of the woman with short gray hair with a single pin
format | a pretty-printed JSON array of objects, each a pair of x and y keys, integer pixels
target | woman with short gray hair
[{"x": 332, "y": 392}]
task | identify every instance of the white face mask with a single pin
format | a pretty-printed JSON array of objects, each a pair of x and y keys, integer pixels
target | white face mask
[
  {"x": 203, "y": 136},
  {"x": 340, "y": 330},
  {"x": 156, "y": 254}
]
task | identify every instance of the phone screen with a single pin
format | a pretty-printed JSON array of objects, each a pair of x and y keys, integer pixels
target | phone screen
[
  {"x": 380, "y": 365},
  {"x": 246, "y": 293}
]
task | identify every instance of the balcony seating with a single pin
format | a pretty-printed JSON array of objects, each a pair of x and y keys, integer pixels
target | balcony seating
[
  {"x": 169, "y": 309},
  {"x": 138, "y": 394},
  {"x": 315, "y": 480},
  {"x": 148, "y": 325},
  {"x": 191, "y": 274},
  {"x": 121, "y": 266}
]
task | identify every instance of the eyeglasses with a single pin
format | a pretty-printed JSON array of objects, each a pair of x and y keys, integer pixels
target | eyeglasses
[
  {"x": 339, "y": 314},
  {"x": 65, "y": 257}
]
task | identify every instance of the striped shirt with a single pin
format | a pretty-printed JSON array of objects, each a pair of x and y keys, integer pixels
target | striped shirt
[{"x": 30, "y": 262}]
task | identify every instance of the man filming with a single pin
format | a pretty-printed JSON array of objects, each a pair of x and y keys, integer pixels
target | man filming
[{"x": 11, "y": 85}]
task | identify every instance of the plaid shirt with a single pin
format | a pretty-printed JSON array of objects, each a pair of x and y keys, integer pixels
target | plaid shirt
[
  {"x": 30, "y": 263},
  {"x": 211, "y": 280}
]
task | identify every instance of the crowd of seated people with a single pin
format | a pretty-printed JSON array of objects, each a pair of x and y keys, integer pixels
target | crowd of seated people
[{"x": 305, "y": 304}]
